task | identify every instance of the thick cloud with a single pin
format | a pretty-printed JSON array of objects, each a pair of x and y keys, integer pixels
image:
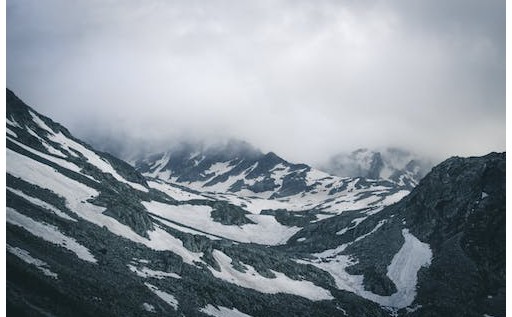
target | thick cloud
[{"x": 305, "y": 79}]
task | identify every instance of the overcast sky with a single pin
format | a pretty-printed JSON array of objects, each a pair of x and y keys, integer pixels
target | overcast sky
[{"x": 305, "y": 79}]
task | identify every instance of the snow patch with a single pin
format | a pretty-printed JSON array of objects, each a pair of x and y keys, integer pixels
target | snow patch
[
  {"x": 396, "y": 197},
  {"x": 402, "y": 271},
  {"x": 185, "y": 229},
  {"x": 141, "y": 260},
  {"x": 148, "y": 307},
  {"x": 49, "y": 233},
  {"x": 145, "y": 272},
  {"x": 12, "y": 123},
  {"x": 320, "y": 217},
  {"x": 279, "y": 172},
  {"x": 252, "y": 279},
  {"x": 62, "y": 163},
  {"x": 221, "y": 311},
  {"x": 40, "y": 122},
  {"x": 26, "y": 257},
  {"x": 41, "y": 203},
  {"x": 218, "y": 169},
  {"x": 266, "y": 230},
  {"x": 379, "y": 224},
  {"x": 166, "y": 297},
  {"x": 93, "y": 159},
  {"x": 174, "y": 192},
  {"x": 314, "y": 176},
  {"x": 413, "y": 308},
  {"x": 404, "y": 268},
  {"x": 160, "y": 164},
  {"x": 355, "y": 221},
  {"x": 11, "y": 133}
]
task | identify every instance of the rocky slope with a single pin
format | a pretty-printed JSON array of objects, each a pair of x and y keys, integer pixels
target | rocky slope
[
  {"x": 88, "y": 235},
  {"x": 448, "y": 235}
]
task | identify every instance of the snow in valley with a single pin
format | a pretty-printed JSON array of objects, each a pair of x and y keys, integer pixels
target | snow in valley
[{"x": 266, "y": 230}]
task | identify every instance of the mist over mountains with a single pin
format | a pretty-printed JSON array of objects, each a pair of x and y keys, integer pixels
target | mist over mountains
[
  {"x": 255, "y": 158},
  {"x": 382, "y": 162},
  {"x": 389, "y": 163},
  {"x": 232, "y": 231},
  {"x": 306, "y": 81}
]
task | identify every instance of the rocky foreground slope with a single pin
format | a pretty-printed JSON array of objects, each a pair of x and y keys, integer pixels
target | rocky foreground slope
[{"x": 88, "y": 235}]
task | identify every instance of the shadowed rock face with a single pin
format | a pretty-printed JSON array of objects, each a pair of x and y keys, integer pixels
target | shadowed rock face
[{"x": 459, "y": 208}]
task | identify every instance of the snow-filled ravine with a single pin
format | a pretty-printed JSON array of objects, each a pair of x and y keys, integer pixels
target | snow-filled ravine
[{"x": 402, "y": 271}]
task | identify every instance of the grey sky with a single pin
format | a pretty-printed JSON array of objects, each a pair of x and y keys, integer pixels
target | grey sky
[{"x": 305, "y": 79}]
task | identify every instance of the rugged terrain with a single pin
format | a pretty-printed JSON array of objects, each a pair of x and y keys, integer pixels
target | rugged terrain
[
  {"x": 393, "y": 164},
  {"x": 231, "y": 231}
]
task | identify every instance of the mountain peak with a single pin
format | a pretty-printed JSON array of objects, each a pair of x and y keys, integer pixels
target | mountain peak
[{"x": 394, "y": 164}]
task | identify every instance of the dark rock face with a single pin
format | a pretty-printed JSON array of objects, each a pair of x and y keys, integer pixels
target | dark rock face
[
  {"x": 460, "y": 210},
  {"x": 376, "y": 167},
  {"x": 455, "y": 190},
  {"x": 228, "y": 214}
]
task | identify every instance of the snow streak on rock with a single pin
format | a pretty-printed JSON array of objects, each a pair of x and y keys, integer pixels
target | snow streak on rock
[
  {"x": 280, "y": 284},
  {"x": 221, "y": 311},
  {"x": 166, "y": 297},
  {"x": 26, "y": 257},
  {"x": 49, "y": 233}
]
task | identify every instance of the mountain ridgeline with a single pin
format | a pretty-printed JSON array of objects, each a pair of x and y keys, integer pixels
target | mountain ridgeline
[
  {"x": 236, "y": 168},
  {"x": 214, "y": 165},
  {"x": 227, "y": 230},
  {"x": 394, "y": 164}
]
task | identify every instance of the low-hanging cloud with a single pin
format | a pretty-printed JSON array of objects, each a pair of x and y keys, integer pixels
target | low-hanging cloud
[{"x": 305, "y": 79}]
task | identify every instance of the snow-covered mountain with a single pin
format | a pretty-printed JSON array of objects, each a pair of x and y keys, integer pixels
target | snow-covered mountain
[
  {"x": 393, "y": 164},
  {"x": 239, "y": 173},
  {"x": 88, "y": 235}
]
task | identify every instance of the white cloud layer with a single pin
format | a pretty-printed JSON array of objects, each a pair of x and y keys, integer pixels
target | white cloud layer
[{"x": 305, "y": 79}]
